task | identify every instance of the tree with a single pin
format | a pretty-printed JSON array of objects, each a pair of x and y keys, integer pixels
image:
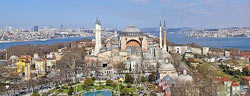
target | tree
[
  {"x": 129, "y": 85},
  {"x": 71, "y": 90},
  {"x": 245, "y": 71},
  {"x": 129, "y": 78},
  {"x": 89, "y": 82},
  {"x": 109, "y": 82},
  {"x": 84, "y": 86},
  {"x": 143, "y": 79},
  {"x": 35, "y": 94},
  {"x": 152, "y": 77},
  {"x": 125, "y": 91}
]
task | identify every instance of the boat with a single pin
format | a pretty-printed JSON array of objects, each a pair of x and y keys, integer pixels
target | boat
[{"x": 43, "y": 39}]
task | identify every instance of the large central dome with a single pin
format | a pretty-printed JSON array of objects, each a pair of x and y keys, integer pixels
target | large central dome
[
  {"x": 131, "y": 31},
  {"x": 131, "y": 28}
]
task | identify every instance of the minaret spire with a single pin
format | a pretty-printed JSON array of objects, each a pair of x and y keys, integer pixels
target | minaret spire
[
  {"x": 160, "y": 35},
  {"x": 165, "y": 37},
  {"x": 97, "y": 20}
]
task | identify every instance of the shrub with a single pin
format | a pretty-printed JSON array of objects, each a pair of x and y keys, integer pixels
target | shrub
[
  {"x": 35, "y": 94},
  {"x": 71, "y": 90},
  {"x": 109, "y": 82}
]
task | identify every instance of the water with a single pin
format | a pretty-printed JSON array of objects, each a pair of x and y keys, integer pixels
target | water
[
  {"x": 178, "y": 38},
  {"x": 52, "y": 41},
  {"x": 242, "y": 43},
  {"x": 236, "y": 42},
  {"x": 98, "y": 93}
]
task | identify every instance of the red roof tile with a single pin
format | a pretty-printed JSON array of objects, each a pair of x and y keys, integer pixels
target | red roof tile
[
  {"x": 245, "y": 54},
  {"x": 235, "y": 84},
  {"x": 246, "y": 77}
]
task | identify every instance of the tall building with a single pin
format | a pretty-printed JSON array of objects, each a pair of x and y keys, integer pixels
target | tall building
[
  {"x": 98, "y": 36},
  {"x": 165, "y": 37},
  {"x": 160, "y": 35},
  {"x": 35, "y": 29},
  {"x": 62, "y": 28}
]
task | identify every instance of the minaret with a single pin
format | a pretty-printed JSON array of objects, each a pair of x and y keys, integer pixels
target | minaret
[
  {"x": 27, "y": 72},
  {"x": 97, "y": 36},
  {"x": 160, "y": 36},
  {"x": 164, "y": 37}
]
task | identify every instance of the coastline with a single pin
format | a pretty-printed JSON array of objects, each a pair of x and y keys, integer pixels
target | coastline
[
  {"x": 7, "y": 44},
  {"x": 42, "y": 40}
]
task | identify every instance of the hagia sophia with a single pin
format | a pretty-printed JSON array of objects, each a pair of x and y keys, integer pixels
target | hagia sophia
[{"x": 135, "y": 51}]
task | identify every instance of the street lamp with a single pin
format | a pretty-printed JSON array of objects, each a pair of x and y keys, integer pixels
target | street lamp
[{"x": 7, "y": 87}]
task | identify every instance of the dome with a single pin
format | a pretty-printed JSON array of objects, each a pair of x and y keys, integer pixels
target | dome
[
  {"x": 13, "y": 57},
  {"x": 164, "y": 55},
  {"x": 167, "y": 66},
  {"x": 185, "y": 77},
  {"x": 131, "y": 28}
]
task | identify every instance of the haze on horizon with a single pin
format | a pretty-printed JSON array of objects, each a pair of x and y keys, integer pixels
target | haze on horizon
[{"x": 120, "y": 13}]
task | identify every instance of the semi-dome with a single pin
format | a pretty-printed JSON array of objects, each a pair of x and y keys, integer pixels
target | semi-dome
[
  {"x": 131, "y": 28},
  {"x": 167, "y": 67},
  {"x": 164, "y": 55}
]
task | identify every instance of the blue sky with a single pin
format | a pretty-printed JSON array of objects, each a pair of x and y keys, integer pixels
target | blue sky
[{"x": 120, "y": 13}]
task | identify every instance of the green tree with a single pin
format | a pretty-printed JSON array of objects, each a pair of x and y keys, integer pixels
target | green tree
[
  {"x": 245, "y": 71},
  {"x": 129, "y": 78},
  {"x": 93, "y": 78},
  {"x": 125, "y": 91},
  {"x": 35, "y": 94},
  {"x": 89, "y": 82},
  {"x": 57, "y": 85},
  {"x": 109, "y": 82},
  {"x": 152, "y": 77},
  {"x": 143, "y": 79},
  {"x": 71, "y": 90},
  {"x": 129, "y": 85},
  {"x": 84, "y": 86}
]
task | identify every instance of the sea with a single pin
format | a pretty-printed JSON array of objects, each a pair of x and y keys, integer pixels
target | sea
[{"x": 175, "y": 37}]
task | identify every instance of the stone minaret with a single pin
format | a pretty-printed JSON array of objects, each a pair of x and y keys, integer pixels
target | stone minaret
[
  {"x": 160, "y": 36},
  {"x": 98, "y": 37},
  {"x": 164, "y": 37}
]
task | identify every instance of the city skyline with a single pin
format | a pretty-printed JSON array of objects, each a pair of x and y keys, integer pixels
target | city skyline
[{"x": 120, "y": 13}]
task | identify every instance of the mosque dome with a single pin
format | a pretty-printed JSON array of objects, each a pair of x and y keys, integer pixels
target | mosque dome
[
  {"x": 13, "y": 57},
  {"x": 185, "y": 77},
  {"x": 131, "y": 28},
  {"x": 131, "y": 31}
]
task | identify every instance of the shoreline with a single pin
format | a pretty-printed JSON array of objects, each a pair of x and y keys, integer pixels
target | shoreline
[{"x": 42, "y": 40}]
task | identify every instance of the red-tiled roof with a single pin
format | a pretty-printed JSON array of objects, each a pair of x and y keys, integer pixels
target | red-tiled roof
[
  {"x": 248, "y": 67},
  {"x": 222, "y": 79},
  {"x": 245, "y": 53},
  {"x": 235, "y": 84},
  {"x": 246, "y": 77}
]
